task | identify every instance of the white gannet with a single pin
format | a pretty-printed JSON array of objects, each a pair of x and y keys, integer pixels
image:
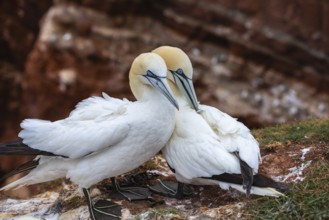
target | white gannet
[
  {"x": 209, "y": 146},
  {"x": 103, "y": 137}
]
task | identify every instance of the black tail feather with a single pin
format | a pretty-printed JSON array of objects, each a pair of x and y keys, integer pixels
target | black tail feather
[
  {"x": 260, "y": 180},
  {"x": 19, "y": 148},
  {"x": 24, "y": 167}
]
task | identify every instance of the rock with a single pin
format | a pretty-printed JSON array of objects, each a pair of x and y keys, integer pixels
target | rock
[{"x": 98, "y": 42}]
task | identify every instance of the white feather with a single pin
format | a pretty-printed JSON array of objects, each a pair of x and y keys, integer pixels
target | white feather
[
  {"x": 234, "y": 135},
  {"x": 103, "y": 118},
  {"x": 49, "y": 168},
  {"x": 261, "y": 191},
  {"x": 196, "y": 153},
  {"x": 194, "y": 150}
]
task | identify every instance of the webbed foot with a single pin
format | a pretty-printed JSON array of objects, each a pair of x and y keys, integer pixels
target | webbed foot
[
  {"x": 102, "y": 209},
  {"x": 171, "y": 189},
  {"x": 132, "y": 193}
]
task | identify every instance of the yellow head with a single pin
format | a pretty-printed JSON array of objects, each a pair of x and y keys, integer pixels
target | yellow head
[
  {"x": 148, "y": 71},
  {"x": 175, "y": 59},
  {"x": 180, "y": 71}
]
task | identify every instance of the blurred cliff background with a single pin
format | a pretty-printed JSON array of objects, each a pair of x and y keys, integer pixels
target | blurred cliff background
[{"x": 264, "y": 62}]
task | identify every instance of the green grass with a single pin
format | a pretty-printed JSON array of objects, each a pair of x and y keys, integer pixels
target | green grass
[
  {"x": 308, "y": 199},
  {"x": 306, "y": 132}
]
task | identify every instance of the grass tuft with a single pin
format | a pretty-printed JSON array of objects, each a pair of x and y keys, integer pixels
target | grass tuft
[
  {"x": 308, "y": 199},
  {"x": 306, "y": 132}
]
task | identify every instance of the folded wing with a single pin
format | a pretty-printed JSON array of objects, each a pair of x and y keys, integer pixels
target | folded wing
[
  {"x": 96, "y": 124},
  {"x": 234, "y": 135}
]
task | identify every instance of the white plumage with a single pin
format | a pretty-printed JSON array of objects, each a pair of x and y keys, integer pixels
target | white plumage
[
  {"x": 234, "y": 135},
  {"x": 105, "y": 137},
  {"x": 195, "y": 151},
  {"x": 95, "y": 124},
  {"x": 205, "y": 142}
]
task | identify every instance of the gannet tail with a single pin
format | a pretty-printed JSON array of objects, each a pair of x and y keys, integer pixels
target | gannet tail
[
  {"x": 19, "y": 148},
  {"x": 26, "y": 180},
  {"x": 262, "y": 185},
  {"x": 28, "y": 166},
  {"x": 42, "y": 169},
  {"x": 261, "y": 191}
]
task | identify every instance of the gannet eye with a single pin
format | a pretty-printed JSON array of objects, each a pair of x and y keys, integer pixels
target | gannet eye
[
  {"x": 150, "y": 74},
  {"x": 180, "y": 71}
]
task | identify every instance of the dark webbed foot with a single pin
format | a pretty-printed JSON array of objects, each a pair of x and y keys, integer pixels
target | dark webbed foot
[
  {"x": 103, "y": 209},
  {"x": 171, "y": 189},
  {"x": 132, "y": 193}
]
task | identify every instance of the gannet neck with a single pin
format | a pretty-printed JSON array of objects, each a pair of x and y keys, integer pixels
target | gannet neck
[{"x": 149, "y": 71}]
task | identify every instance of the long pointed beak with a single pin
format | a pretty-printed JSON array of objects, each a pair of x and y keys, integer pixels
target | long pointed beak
[
  {"x": 185, "y": 84},
  {"x": 161, "y": 84}
]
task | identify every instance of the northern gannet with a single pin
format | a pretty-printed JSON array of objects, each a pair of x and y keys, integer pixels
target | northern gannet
[
  {"x": 209, "y": 146},
  {"x": 103, "y": 137}
]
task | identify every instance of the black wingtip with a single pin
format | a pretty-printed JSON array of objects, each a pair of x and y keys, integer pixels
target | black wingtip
[
  {"x": 247, "y": 175},
  {"x": 19, "y": 148}
]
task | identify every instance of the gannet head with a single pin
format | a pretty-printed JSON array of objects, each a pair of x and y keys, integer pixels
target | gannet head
[
  {"x": 149, "y": 70},
  {"x": 180, "y": 72}
]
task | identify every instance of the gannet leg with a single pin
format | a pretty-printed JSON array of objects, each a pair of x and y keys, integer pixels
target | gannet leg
[
  {"x": 96, "y": 211},
  {"x": 171, "y": 189},
  {"x": 131, "y": 193}
]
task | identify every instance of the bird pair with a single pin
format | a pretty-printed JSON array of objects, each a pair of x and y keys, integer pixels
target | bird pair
[{"x": 105, "y": 137}]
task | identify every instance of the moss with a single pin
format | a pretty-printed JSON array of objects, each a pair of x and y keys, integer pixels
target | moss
[
  {"x": 159, "y": 214},
  {"x": 73, "y": 202},
  {"x": 51, "y": 185},
  {"x": 150, "y": 165},
  {"x": 306, "y": 132},
  {"x": 308, "y": 199}
]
